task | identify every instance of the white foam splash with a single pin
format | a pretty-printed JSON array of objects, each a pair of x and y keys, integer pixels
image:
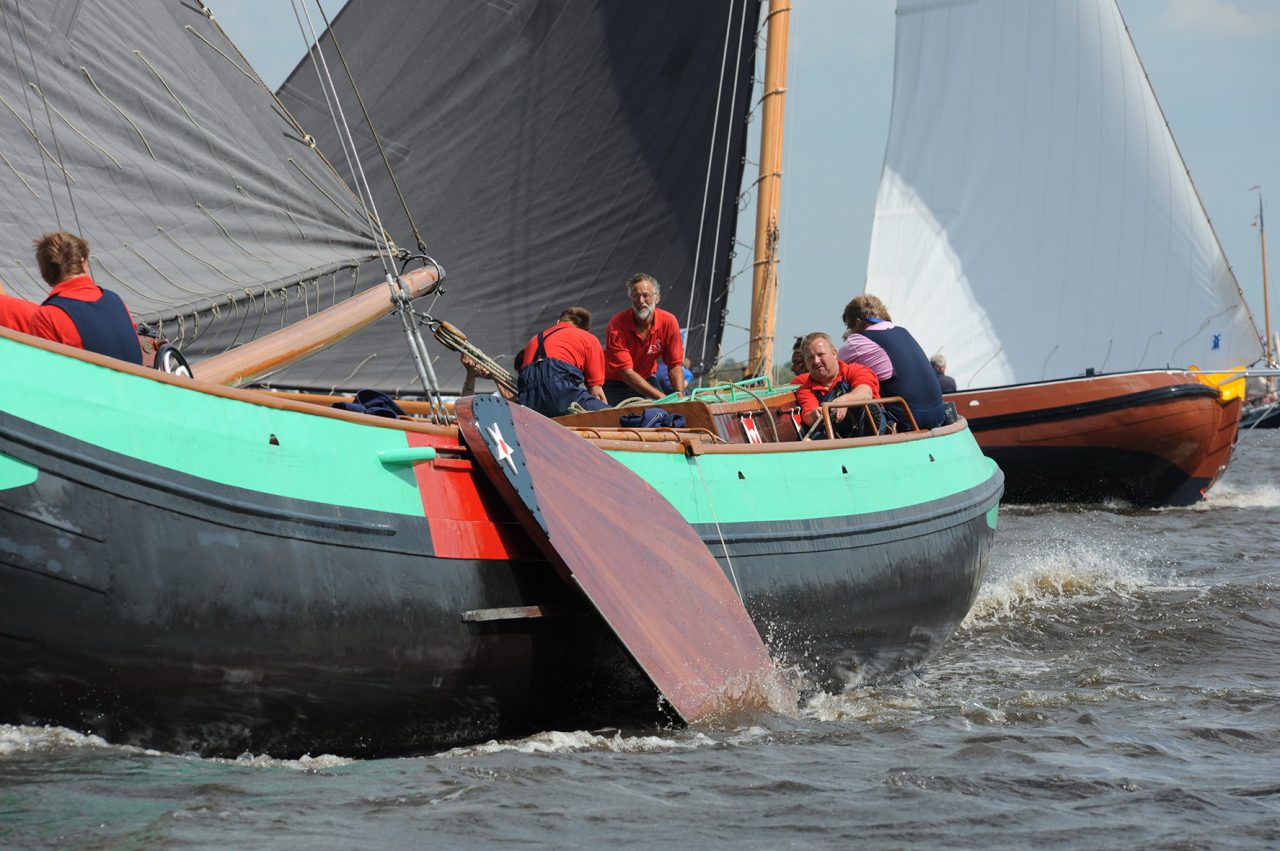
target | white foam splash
[
  {"x": 1228, "y": 495},
  {"x": 1059, "y": 570},
  {"x": 29, "y": 739},
  {"x": 580, "y": 740},
  {"x": 307, "y": 762}
]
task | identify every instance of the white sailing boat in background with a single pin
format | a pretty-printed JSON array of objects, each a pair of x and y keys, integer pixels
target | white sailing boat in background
[{"x": 1037, "y": 225}]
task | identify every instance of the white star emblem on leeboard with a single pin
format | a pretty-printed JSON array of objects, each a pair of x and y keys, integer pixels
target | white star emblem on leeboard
[{"x": 501, "y": 449}]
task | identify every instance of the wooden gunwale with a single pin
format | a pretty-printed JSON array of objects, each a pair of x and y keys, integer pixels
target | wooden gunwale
[{"x": 674, "y": 446}]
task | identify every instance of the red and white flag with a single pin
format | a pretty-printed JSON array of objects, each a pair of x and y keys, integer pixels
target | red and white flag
[{"x": 749, "y": 428}]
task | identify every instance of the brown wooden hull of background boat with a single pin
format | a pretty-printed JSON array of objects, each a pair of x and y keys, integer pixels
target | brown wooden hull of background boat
[{"x": 1150, "y": 438}]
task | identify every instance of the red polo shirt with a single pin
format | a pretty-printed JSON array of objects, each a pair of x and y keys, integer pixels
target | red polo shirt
[
  {"x": 573, "y": 346},
  {"x": 16, "y": 313},
  {"x": 625, "y": 349},
  {"x": 855, "y": 373}
]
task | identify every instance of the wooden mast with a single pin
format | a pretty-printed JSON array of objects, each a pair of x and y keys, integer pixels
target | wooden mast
[
  {"x": 764, "y": 284},
  {"x": 1266, "y": 306}
]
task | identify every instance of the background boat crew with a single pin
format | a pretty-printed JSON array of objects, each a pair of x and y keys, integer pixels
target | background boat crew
[
  {"x": 830, "y": 379},
  {"x": 897, "y": 360},
  {"x": 945, "y": 382},
  {"x": 77, "y": 311},
  {"x": 563, "y": 365},
  {"x": 798, "y": 369},
  {"x": 637, "y": 339}
]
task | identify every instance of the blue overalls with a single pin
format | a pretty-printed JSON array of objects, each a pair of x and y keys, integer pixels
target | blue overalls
[
  {"x": 856, "y": 422},
  {"x": 549, "y": 385},
  {"x": 104, "y": 325}
]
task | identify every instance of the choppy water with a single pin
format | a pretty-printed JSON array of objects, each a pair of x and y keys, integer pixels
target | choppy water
[{"x": 1116, "y": 686}]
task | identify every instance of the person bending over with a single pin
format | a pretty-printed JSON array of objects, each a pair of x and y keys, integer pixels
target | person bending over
[{"x": 563, "y": 365}]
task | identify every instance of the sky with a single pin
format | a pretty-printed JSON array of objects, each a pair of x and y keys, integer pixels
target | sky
[{"x": 1214, "y": 65}]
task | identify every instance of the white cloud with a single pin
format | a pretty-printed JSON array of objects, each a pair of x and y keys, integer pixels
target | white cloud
[{"x": 1223, "y": 18}]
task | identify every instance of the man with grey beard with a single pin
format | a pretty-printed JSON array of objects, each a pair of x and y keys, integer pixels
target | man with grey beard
[{"x": 636, "y": 340}]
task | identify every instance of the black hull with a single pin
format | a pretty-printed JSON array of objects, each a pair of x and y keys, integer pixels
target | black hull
[
  {"x": 860, "y": 601},
  {"x": 1260, "y": 416},
  {"x": 231, "y": 622},
  {"x": 158, "y": 609},
  {"x": 1084, "y": 474}
]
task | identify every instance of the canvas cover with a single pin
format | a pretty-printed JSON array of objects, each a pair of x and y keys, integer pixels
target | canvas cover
[
  {"x": 1035, "y": 218},
  {"x": 547, "y": 149},
  {"x": 138, "y": 125}
]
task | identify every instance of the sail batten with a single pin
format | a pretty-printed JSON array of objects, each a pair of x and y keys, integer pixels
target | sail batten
[{"x": 1035, "y": 219}]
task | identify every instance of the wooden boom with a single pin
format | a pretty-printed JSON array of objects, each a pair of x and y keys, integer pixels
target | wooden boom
[{"x": 288, "y": 345}]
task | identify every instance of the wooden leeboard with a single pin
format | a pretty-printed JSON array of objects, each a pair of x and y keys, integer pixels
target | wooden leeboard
[{"x": 635, "y": 557}]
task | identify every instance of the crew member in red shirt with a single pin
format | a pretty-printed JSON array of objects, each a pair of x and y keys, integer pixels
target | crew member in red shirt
[
  {"x": 563, "y": 365},
  {"x": 637, "y": 339},
  {"x": 832, "y": 380},
  {"x": 77, "y": 311},
  {"x": 16, "y": 313}
]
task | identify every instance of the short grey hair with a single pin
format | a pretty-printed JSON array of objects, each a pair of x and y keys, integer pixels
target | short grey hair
[
  {"x": 643, "y": 276},
  {"x": 939, "y": 362}
]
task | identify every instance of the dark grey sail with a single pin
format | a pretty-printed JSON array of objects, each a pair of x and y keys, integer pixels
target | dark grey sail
[
  {"x": 546, "y": 150},
  {"x": 137, "y": 124}
]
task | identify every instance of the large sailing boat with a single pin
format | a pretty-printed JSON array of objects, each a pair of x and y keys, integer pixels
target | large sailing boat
[
  {"x": 1036, "y": 225},
  {"x": 201, "y": 567}
]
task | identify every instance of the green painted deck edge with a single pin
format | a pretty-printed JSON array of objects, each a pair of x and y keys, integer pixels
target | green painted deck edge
[
  {"x": 808, "y": 485},
  {"x": 15, "y": 473},
  {"x": 228, "y": 441}
]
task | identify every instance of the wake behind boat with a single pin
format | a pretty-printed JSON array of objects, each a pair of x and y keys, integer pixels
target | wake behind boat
[{"x": 1037, "y": 224}]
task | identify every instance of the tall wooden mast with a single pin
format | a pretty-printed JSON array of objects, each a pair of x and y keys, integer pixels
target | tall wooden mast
[
  {"x": 764, "y": 284},
  {"x": 1266, "y": 304}
]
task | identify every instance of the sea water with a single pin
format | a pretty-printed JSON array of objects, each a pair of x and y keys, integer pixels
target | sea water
[{"x": 1117, "y": 685}]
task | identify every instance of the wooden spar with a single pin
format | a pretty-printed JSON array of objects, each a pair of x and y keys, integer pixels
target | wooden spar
[
  {"x": 764, "y": 283},
  {"x": 245, "y": 363},
  {"x": 1266, "y": 304},
  {"x": 635, "y": 558}
]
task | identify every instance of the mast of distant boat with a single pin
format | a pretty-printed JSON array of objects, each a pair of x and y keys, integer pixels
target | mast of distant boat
[
  {"x": 764, "y": 283},
  {"x": 1266, "y": 305}
]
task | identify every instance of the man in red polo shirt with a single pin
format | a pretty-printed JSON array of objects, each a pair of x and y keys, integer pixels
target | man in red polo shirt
[
  {"x": 563, "y": 365},
  {"x": 636, "y": 340},
  {"x": 832, "y": 380},
  {"x": 16, "y": 313},
  {"x": 77, "y": 311}
]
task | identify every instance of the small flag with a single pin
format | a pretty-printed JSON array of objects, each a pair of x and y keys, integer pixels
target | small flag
[
  {"x": 1217, "y": 342},
  {"x": 749, "y": 428}
]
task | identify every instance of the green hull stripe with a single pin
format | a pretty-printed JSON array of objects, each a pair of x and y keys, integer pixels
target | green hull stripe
[
  {"x": 808, "y": 485},
  {"x": 15, "y": 473},
  {"x": 318, "y": 459}
]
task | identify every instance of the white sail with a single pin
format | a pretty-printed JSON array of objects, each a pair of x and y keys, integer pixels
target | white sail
[{"x": 1035, "y": 218}]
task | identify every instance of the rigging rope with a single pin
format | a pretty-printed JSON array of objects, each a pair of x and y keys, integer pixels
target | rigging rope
[
  {"x": 723, "y": 186},
  {"x": 400, "y": 294},
  {"x": 422, "y": 246},
  {"x": 711, "y": 158},
  {"x": 35, "y": 71}
]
